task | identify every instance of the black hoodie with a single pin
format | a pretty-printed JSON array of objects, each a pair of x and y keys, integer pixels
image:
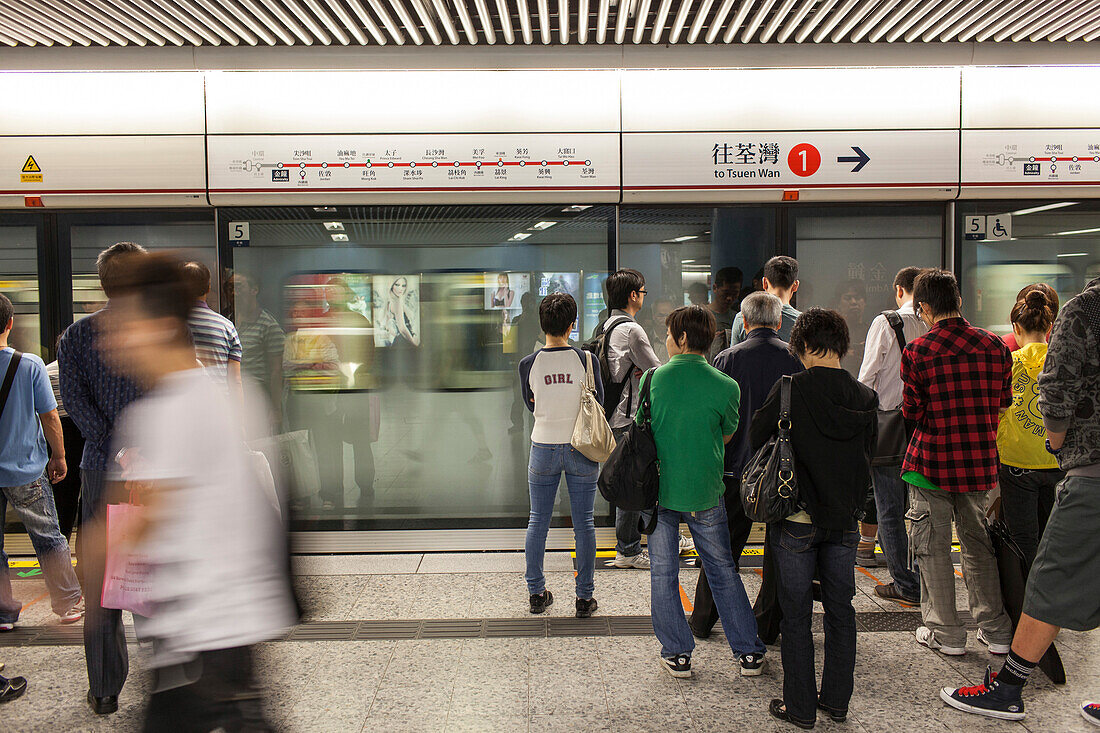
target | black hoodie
[{"x": 833, "y": 426}]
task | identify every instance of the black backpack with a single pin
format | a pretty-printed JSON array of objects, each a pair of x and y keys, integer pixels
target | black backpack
[
  {"x": 599, "y": 345},
  {"x": 630, "y": 478}
]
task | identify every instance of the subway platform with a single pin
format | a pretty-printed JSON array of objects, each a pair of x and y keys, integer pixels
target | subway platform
[{"x": 445, "y": 642}]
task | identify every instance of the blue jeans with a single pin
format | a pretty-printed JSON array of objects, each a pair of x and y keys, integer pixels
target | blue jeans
[
  {"x": 712, "y": 542},
  {"x": 544, "y": 475},
  {"x": 891, "y": 494},
  {"x": 801, "y": 550},
  {"x": 34, "y": 504}
]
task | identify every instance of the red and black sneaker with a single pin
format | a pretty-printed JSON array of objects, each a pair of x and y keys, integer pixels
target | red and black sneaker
[
  {"x": 1091, "y": 712},
  {"x": 992, "y": 699}
]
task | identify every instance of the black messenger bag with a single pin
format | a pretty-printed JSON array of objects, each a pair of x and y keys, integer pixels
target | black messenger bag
[
  {"x": 630, "y": 478},
  {"x": 893, "y": 432},
  {"x": 769, "y": 488}
]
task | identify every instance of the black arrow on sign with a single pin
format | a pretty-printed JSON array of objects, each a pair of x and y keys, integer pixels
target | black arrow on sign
[{"x": 860, "y": 159}]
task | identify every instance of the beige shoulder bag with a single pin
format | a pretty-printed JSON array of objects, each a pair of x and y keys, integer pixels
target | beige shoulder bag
[{"x": 592, "y": 433}]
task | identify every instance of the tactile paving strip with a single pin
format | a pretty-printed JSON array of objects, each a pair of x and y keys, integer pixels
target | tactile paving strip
[{"x": 508, "y": 628}]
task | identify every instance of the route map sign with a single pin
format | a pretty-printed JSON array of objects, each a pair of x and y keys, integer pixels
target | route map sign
[
  {"x": 398, "y": 164},
  {"x": 996, "y": 159},
  {"x": 753, "y": 166}
]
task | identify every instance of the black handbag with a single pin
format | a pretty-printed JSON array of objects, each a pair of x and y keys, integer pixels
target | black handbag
[
  {"x": 630, "y": 478},
  {"x": 769, "y": 488},
  {"x": 893, "y": 431}
]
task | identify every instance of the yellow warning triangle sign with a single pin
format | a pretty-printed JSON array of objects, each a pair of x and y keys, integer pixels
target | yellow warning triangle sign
[{"x": 31, "y": 166}]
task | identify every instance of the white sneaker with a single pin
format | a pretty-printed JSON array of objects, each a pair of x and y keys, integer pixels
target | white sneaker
[
  {"x": 74, "y": 614},
  {"x": 686, "y": 544},
  {"x": 639, "y": 561},
  {"x": 928, "y": 639},
  {"x": 7, "y": 627},
  {"x": 993, "y": 648}
]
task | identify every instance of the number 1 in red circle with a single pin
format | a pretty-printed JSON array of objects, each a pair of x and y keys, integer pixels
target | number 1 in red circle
[{"x": 804, "y": 160}]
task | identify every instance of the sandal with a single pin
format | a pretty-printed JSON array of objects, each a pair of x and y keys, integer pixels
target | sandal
[
  {"x": 778, "y": 709},
  {"x": 12, "y": 688}
]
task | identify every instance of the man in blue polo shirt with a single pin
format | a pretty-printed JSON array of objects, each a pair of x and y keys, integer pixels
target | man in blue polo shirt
[{"x": 27, "y": 406}]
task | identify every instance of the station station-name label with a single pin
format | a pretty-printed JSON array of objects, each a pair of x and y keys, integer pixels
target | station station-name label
[
  {"x": 412, "y": 162},
  {"x": 789, "y": 160}
]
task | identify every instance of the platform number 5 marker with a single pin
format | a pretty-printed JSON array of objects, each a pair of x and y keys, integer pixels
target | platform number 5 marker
[{"x": 238, "y": 233}]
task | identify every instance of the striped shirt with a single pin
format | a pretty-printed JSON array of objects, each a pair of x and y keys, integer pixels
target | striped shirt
[
  {"x": 53, "y": 371},
  {"x": 216, "y": 340},
  {"x": 261, "y": 341}
]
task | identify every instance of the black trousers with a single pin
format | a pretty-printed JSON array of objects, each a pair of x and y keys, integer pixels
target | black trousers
[
  {"x": 66, "y": 493},
  {"x": 104, "y": 638},
  {"x": 225, "y": 696},
  {"x": 705, "y": 614}
]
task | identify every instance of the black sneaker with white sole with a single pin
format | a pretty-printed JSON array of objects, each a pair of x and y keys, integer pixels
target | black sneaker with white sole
[
  {"x": 992, "y": 699},
  {"x": 678, "y": 666},
  {"x": 752, "y": 665},
  {"x": 585, "y": 609},
  {"x": 540, "y": 601}
]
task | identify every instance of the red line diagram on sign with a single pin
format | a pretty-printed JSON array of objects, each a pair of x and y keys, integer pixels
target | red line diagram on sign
[{"x": 499, "y": 163}]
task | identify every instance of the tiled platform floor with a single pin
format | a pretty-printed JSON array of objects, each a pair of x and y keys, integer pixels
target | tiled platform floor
[{"x": 537, "y": 684}]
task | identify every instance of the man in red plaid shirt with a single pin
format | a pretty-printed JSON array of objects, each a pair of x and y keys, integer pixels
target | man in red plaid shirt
[{"x": 957, "y": 381}]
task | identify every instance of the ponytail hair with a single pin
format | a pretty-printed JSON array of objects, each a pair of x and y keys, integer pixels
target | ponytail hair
[{"x": 1034, "y": 312}]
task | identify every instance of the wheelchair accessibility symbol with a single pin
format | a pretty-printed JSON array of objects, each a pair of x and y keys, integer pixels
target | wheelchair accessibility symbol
[{"x": 999, "y": 226}]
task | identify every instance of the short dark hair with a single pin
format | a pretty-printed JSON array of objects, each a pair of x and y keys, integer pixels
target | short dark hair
[
  {"x": 620, "y": 285},
  {"x": 939, "y": 290},
  {"x": 7, "y": 312},
  {"x": 111, "y": 264},
  {"x": 728, "y": 276},
  {"x": 159, "y": 284},
  {"x": 696, "y": 322},
  {"x": 197, "y": 277},
  {"x": 906, "y": 277},
  {"x": 557, "y": 314},
  {"x": 820, "y": 331},
  {"x": 781, "y": 271}
]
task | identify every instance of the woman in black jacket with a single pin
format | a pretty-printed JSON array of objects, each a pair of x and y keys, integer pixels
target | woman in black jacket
[{"x": 833, "y": 425}]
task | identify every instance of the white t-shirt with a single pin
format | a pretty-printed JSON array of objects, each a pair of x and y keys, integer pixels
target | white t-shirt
[
  {"x": 217, "y": 545},
  {"x": 551, "y": 382}
]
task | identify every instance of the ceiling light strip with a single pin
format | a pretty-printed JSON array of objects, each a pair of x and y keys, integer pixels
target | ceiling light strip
[
  {"x": 700, "y": 20},
  {"x": 525, "y": 22},
  {"x": 1004, "y": 20},
  {"x": 738, "y": 20},
  {"x": 347, "y": 22},
  {"x": 426, "y": 20},
  {"x": 446, "y": 21},
  {"x": 406, "y": 20},
  {"x": 257, "y": 27},
  {"x": 209, "y": 22},
  {"x": 582, "y": 21},
  {"x": 974, "y": 21},
  {"x": 679, "y": 22},
  {"x": 486, "y": 20},
  {"x": 467, "y": 23},
  {"x": 851, "y": 22},
  {"x": 505, "y": 16},
  {"x": 831, "y": 22},
  {"x": 777, "y": 20},
  {"x": 284, "y": 17},
  {"x": 932, "y": 26},
  {"x": 20, "y": 15},
  {"x": 813, "y": 21},
  {"x": 388, "y": 21},
  {"x": 640, "y": 21},
  {"x": 1043, "y": 10}
]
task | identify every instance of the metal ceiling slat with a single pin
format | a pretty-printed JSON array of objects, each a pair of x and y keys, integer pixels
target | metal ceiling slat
[
  {"x": 160, "y": 23},
  {"x": 907, "y": 22},
  {"x": 229, "y": 21},
  {"x": 505, "y": 16},
  {"x": 486, "y": 21},
  {"x": 426, "y": 20},
  {"x": 446, "y": 21},
  {"x": 406, "y": 20},
  {"x": 387, "y": 20},
  {"x": 1092, "y": 34},
  {"x": 582, "y": 21},
  {"x": 347, "y": 22},
  {"x": 793, "y": 20},
  {"x": 107, "y": 25},
  {"x": 601, "y": 20},
  {"x": 777, "y": 20},
  {"x": 975, "y": 21},
  {"x": 640, "y": 20},
  {"x": 868, "y": 25},
  {"x": 544, "y": 20},
  {"x": 1042, "y": 26},
  {"x": 932, "y": 25},
  {"x": 738, "y": 20},
  {"x": 209, "y": 21},
  {"x": 311, "y": 24},
  {"x": 1026, "y": 20},
  {"x": 717, "y": 21},
  {"x": 17, "y": 32},
  {"x": 78, "y": 24},
  {"x": 659, "y": 21},
  {"x": 1000, "y": 23},
  {"x": 292, "y": 25},
  {"x": 834, "y": 18},
  {"x": 563, "y": 21},
  {"x": 525, "y": 22},
  {"x": 467, "y": 23},
  {"x": 852, "y": 21},
  {"x": 1084, "y": 21},
  {"x": 622, "y": 15},
  {"x": 680, "y": 21},
  {"x": 136, "y": 23},
  {"x": 8, "y": 40},
  {"x": 813, "y": 21},
  {"x": 38, "y": 25},
  {"x": 255, "y": 25},
  {"x": 757, "y": 20}
]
